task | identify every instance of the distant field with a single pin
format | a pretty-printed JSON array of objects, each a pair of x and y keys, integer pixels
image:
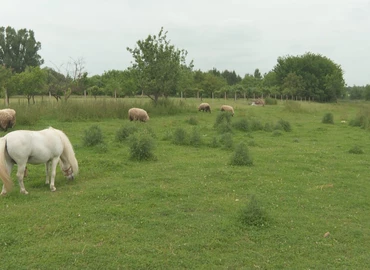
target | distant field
[{"x": 183, "y": 210}]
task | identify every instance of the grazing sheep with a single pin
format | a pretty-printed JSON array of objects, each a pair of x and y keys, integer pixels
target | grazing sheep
[
  {"x": 259, "y": 102},
  {"x": 7, "y": 119},
  {"x": 227, "y": 108},
  {"x": 138, "y": 114},
  {"x": 204, "y": 107}
]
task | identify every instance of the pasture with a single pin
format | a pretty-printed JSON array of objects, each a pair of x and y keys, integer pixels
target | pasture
[{"x": 184, "y": 209}]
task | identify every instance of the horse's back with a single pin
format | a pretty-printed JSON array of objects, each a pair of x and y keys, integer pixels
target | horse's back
[{"x": 33, "y": 146}]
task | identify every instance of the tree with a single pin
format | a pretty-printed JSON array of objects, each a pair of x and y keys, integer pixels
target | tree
[
  {"x": 55, "y": 82},
  {"x": 158, "y": 64},
  {"x": 322, "y": 78},
  {"x": 31, "y": 82},
  {"x": 5, "y": 75},
  {"x": 19, "y": 49}
]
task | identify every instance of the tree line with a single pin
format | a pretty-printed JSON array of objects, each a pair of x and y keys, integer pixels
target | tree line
[{"x": 161, "y": 70}]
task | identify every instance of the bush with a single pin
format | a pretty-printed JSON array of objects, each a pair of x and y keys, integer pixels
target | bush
[
  {"x": 283, "y": 125},
  {"x": 270, "y": 101},
  {"x": 242, "y": 125},
  {"x": 124, "y": 132},
  {"x": 226, "y": 141},
  {"x": 93, "y": 136},
  {"x": 356, "y": 150},
  {"x": 328, "y": 118},
  {"x": 192, "y": 121},
  {"x": 241, "y": 156},
  {"x": 253, "y": 214},
  {"x": 223, "y": 117},
  {"x": 141, "y": 146},
  {"x": 256, "y": 125},
  {"x": 195, "y": 138},
  {"x": 180, "y": 136},
  {"x": 214, "y": 143}
]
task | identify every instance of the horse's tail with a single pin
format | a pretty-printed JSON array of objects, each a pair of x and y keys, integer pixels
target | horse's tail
[
  {"x": 4, "y": 174},
  {"x": 68, "y": 152}
]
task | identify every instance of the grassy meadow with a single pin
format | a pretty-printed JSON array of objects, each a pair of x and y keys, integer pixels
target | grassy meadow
[{"x": 188, "y": 207}]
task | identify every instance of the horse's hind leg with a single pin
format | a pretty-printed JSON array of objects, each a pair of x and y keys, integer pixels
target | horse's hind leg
[
  {"x": 20, "y": 175},
  {"x": 47, "y": 171},
  {"x": 54, "y": 164}
]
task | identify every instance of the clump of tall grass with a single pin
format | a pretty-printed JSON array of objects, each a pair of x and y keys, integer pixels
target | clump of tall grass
[
  {"x": 92, "y": 136},
  {"x": 124, "y": 132},
  {"x": 223, "y": 122},
  {"x": 293, "y": 106},
  {"x": 256, "y": 125},
  {"x": 180, "y": 137},
  {"x": 241, "y": 156},
  {"x": 192, "y": 121},
  {"x": 141, "y": 146},
  {"x": 242, "y": 124},
  {"x": 195, "y": 138},
  {"x": 283, "y": 125},
  {"x": 362, "y": 119},
  {"x": 356, "y": 150},
  {"x": 226, "y": 141},
  {"x": 253, "y": 214},
  {"x": 270, "y": 101},
  {"x": 328, "y": 118}
]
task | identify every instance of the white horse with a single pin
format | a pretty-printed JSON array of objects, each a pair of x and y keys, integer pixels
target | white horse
[{"x": 48, "y": 146}]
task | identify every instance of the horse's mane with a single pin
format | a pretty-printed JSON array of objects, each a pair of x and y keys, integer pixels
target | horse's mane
[{"x": 68, "y": 152}]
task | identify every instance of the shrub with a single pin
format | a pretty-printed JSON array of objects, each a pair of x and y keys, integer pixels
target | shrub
[
  {"x": 270, "y": 101},
  {"x": 256, "y": 125},
  {"x": 192, "y": 121},
  {"x": 141, "y": 146},
  {"x": 328, "y": 118},
  {"x": 214, "y": 143},
  {"x": 180, "y": 136},
  {"x": 293, "y": 106},
  {"x": 241, "y": 156},
  {"x": 253, "y": 214},
  {"x": 242, "y": 125},
  {"x": 223, "y": 117},
  {"x": 356, "y": 150},
  {"x": 93, "y": 136},
  {"x": 226, "y": 141},
  {"x": 195, "y": 138},
  {"x": 268, "y": 127},
  {"x": 125, "y": 131},
  {"x": 277, "y": 133},
  {"x": 283, "y": 125}
]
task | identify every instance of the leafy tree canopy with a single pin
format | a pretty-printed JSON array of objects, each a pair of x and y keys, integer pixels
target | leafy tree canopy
[
  {"x": 158, "y": 64},
  {"x": 19, "y": 49},
  {"x": 310, "y": 75}
]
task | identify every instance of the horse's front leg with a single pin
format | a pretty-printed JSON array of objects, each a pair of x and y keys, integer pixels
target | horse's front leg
[
  {"x": 54, "y": 164},
  {"x": 20, "y": 175}
]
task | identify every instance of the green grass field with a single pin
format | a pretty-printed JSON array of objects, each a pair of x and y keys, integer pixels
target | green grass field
[{"x": 184, "y": 209}]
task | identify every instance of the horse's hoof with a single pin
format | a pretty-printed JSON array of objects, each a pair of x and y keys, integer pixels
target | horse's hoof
[
  {"x": 53, "y": 189},
  {"x": 24, "y": 192},
  {"x": 3, "y": 193}
]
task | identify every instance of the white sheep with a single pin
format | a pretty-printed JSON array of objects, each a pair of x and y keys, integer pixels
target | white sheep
[
  {"x": 135, "y": 114},
  {"x": 227, "y": 108},
  {"x": 204, "y": 107},
  {"x": 7, "y": 119}
]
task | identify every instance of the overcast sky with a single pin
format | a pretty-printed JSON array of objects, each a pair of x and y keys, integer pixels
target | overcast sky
[{"x": 239, "y": 35}]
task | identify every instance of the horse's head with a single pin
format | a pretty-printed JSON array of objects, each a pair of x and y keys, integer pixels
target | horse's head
[{"x": 66, "y": 169}]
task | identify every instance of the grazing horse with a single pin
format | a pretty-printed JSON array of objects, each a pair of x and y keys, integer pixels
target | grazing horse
[{"x": 48, "y": 146}]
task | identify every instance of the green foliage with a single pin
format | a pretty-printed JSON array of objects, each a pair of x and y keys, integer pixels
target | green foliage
[
  {"x": 195, "y": 138},
  {"x": 223, "y": 122},
  {"x": 141, "y": 146},
  {"x": 192, "y": 121},
  {"x": 124, "y": 132},
  {"x": 277, "y": 133},
  {"x": 19, "y": 49},
  {"x": 293, "y": 106},
  {"x": 226, "y": 141},
  {"x": 214, "y": 142},
  {"x": 253, "y": 214},
  {"x": 356, "y": 150},
  {"x": 242, "y": 125},
  {"x": 241, "y": 156},
  {"x": 180, "y": 137},
  {"x": 283, "y": 125},
  {"x": 310, "y": 75},
  {"x": 362, "y": 119},
  {"x": 92, "y": 136},
  {"x": 328, "y": 119},
  {"x": 256, "y": 125},
  {"x": 270, "y": 101},
  {"x": 156, "y": 58}
]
